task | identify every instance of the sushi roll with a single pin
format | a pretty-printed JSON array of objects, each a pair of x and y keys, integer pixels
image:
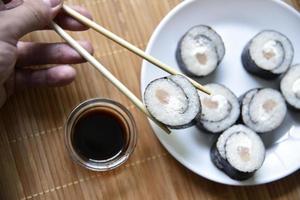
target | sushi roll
[
  {"x": 268, "y": 55},
  {"x": 263, "y": 109},
  {"x": 220, "y": 110},
  {"x": 238, "y": 152},
  {"x": 290, "y": 86},
  {"x": 200, "y": 51},
  {"x": 173, "y": 101}
]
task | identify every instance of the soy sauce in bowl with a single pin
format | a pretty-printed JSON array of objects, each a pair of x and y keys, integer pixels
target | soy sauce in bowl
[{"x": 100, "y": 134}]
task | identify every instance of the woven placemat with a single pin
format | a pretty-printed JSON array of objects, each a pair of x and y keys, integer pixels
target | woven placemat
[{"x": 34, "y": 163}]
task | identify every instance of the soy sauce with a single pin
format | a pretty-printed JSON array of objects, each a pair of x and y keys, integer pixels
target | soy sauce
[{"x": 99, "y": 135}]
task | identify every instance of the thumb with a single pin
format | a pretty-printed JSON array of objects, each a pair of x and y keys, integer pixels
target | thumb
[{"x": 31, "y": 15}]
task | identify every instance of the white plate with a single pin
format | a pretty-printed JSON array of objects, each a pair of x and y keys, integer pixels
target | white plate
[{"x": 236, "y": 21}]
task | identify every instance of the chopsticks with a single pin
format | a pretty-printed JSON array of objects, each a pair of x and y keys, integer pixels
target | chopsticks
[
  {"x": 128, "y": 45},
  {"x": 94, "y": 62}
]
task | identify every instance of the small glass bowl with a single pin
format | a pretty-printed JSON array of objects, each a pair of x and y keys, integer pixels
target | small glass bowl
[{"x": 116, "y": 108}]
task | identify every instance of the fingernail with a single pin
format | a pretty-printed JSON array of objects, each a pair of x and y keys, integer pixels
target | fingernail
[{"x": 52, "y": 3}]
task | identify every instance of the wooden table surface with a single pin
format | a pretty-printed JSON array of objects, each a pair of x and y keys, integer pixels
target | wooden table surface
[{"x": 34, "y": 163}]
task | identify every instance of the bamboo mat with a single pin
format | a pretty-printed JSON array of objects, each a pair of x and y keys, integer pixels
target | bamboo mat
[{"x": 34, "y": 163}]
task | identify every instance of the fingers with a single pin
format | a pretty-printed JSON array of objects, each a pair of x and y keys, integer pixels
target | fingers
[
  {"x": 55, "y": 53},
  {"x": 2, "y": 5},
  {"x": 69, "y": 23},
  {"x": 31, "y": 15},
  {"x": 28, "y": 78},
  {"x": 10, "y": 4},
  {"x": 8, "y": 56},
  {"x": 51, "y": 77}
]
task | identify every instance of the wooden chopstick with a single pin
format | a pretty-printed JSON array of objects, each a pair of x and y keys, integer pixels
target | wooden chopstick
[
  {"x": 128, "y": 45},
  {"x": 94, "y": 62}
]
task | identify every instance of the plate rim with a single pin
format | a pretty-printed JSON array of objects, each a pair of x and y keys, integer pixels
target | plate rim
[{"x": 150, "y": 44}]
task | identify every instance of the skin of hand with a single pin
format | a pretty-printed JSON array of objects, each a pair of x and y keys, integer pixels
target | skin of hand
[{"x": 20, "y": 17}]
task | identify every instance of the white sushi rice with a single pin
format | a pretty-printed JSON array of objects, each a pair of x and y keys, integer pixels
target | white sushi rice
[
  {"x": 290, "y": 86},
  {"x": 173, "y": 100},
  {"x": 242, "y": 148},
  {"x": 263, "y": 110},
  {"x": 219, "y": 110},
  {"x": 272, "y": 51},
  {"x": 200, "y": 57},
  {"x": 201, "y": 50}
]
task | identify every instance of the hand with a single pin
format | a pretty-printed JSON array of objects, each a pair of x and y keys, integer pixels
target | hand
[{"x": 19, "y": 17}]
